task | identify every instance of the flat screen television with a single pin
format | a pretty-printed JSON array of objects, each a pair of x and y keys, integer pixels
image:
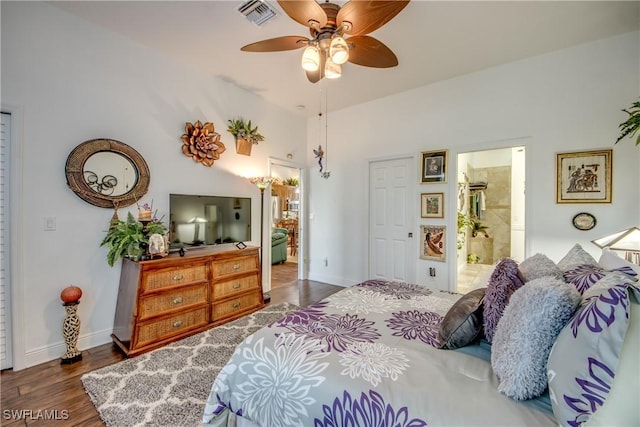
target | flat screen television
[{"x": 198, "y": 220}]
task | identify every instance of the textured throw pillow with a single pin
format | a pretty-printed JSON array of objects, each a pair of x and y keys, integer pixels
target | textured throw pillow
[
  {"x": 575, "y": 257},
  {"x": 463, "y": 322},
  {"x": 539, "y": 265},
  {"x": 531, "y": 322},
  {"x": 584, "y": 360},
  {"x": 504, "y": 281},
  {"x": 609, "y": 260}
]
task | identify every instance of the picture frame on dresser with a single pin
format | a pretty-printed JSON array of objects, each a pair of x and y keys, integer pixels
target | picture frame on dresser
[{"x": 584, "y": 176}]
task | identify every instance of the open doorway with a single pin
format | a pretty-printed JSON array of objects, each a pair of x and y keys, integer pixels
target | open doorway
[
  {"x": 286, "y": 224},
  {"x": 491, "y": 207}
]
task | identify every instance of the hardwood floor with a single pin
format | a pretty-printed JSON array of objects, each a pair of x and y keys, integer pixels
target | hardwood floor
[{"x": 52, "y": 394}]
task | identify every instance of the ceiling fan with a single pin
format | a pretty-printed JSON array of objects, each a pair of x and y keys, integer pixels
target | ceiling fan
[{"x": 326, "y": 50}]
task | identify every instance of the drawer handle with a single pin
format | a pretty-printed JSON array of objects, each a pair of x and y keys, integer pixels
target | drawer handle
[
  {"x": 236, "y": 266},
  {"x": 237, "y": 286},
  {"x": 236, "y": 304},
  {"x": 177, "y": 300},
  {"x": 177, "y": 323},
  {"x": 178, "y": 277}
]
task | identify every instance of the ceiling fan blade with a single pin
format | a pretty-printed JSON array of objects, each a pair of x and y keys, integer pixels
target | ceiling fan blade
[
  {"x": 277, "y": 44},
  {"x": 370, "y": 52},
  {"x": 367, "y": 16},
  {"x": 316, "y": 76},
  {"x": 303, "y": 11}
]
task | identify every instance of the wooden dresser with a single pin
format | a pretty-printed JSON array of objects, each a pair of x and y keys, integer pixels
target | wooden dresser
[{"x": 163, "y": 300}]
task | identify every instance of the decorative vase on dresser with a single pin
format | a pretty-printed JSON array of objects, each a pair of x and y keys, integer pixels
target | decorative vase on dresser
[{"x": 164, "y": 300}]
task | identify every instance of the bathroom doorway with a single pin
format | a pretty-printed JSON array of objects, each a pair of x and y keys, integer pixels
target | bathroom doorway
[{"x": 491, "y": 212}]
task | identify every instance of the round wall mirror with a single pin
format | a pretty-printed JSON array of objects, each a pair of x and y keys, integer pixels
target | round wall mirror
[{"x": 107, "y": 173}]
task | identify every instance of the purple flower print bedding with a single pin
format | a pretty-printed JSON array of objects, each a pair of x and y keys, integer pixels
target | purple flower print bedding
[{"x": 365, "y": 356}]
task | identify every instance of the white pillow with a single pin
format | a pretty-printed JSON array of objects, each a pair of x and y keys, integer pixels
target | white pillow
[{"x": 609, "y": 260}]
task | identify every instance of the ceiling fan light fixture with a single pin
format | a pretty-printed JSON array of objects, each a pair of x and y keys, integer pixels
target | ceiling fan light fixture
[
  {"x": 331, "y": 69},
  {"x": 339, "y": 51},
  {"x": 311, "y": 58}
]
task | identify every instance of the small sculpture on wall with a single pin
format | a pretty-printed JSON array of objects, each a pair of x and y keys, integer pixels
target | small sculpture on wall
[{"x": 202, "y": 143}]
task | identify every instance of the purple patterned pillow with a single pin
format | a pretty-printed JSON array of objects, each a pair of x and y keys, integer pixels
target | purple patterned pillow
[
  {"x": 505, "y": 279},
  {"x": 583, "y": 361},
  {"x": 584, "y": 276}
]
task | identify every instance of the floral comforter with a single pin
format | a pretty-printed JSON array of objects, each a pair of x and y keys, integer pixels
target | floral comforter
[{"x": 365, "y": 356}]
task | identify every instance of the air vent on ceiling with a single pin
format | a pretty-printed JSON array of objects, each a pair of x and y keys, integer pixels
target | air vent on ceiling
[{"x": 257, "y": 11}]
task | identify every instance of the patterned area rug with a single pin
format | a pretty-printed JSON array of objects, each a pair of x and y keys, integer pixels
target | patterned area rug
[{"x": 169, "y": 386}]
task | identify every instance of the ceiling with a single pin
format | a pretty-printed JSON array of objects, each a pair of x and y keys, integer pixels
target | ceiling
[{"x": 433, "y": 40}]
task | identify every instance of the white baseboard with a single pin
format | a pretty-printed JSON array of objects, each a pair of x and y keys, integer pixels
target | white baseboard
[{"x": 55, "y": 351}]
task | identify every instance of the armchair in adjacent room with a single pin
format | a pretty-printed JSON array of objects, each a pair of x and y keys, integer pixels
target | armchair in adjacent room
[{"x": 279, "y": 238}]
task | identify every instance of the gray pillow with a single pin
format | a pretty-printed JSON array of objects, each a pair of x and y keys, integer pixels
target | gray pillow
[
  {"x": 575, "y": 257},
  {"x": 526, "y": 332},
  {"x": 463, "y": 322},
  {"x": 539, "y": 265}
]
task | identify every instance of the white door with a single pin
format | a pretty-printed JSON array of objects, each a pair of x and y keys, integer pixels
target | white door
[
  {"x": 391, "y": 247},
  {"x": 5, "y": 285}
]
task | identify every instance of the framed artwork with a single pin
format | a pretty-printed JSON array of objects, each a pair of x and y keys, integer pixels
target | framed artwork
[
  {"x": 432, "y": 205},
  {"x": 584, "y": 221},
  {"x": 433, "y": 241},
  {"x": 584, "y": 177},
  {"x": 434, "y": 166}
]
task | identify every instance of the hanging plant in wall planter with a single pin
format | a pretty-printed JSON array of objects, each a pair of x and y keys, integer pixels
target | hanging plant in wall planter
[{"x": 246, "y": 135}]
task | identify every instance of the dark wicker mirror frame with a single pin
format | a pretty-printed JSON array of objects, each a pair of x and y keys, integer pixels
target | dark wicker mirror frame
[{"x": 75, "y": 173}]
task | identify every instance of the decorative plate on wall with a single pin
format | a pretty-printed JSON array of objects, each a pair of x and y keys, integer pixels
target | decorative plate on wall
[{"x": 584, "y": 221}]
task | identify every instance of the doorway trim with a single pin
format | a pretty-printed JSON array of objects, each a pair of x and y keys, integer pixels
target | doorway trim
[
  {"x": 522, "y": 141},
  {"x": 16, "y": 236},
  {"x": 302, "y": 223}
]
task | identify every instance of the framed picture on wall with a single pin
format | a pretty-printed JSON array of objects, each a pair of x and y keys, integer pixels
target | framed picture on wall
[
  {"x": 432, "y": 205},
  {"x": 434, "y": 166},
  {"x": 433, "y": 241},
  {"x": 584, "y": 177}
]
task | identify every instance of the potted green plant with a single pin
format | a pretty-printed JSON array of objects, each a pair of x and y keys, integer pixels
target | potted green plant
[
  {"x": 464, "y": 222},
  {"x": 246, "y": 135},
  {"x": 631, "y": 126},
  {"x": 129, "y": 238},
  {"x": 477, "y": 228}
]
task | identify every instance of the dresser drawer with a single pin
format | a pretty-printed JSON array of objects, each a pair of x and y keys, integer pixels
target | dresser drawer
[
  {"x": 236, "y": 266},
  {"x": 231, "y": 287},
  {"x": 167, "y": 277},
  {"x": 152, "y": 331},
  {"x": 229, "y": 308},
  {"x": 174, "y": 300}
]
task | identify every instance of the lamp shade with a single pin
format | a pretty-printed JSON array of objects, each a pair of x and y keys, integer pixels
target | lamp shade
[
  {"x": 311, "y": 58},
  {"x": 339, "y": 51},
  {"x": 331, "y": 69},
  {"x": 626, "y": 240}
]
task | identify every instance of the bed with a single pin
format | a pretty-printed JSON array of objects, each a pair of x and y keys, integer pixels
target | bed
[{"x": 374, "y": 355}]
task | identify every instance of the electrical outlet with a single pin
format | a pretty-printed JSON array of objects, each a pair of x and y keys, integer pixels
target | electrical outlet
[
  {"x": 432, "y": 272},
  {"x": 326, "y": 262}
]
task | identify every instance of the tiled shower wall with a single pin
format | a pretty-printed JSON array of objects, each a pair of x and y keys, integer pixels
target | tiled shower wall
[{"x": 498, "y": 213}]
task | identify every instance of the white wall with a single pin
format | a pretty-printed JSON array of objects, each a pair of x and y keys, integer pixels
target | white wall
[
  {"x": 71, "y": 82},
  {"x": 568, "y": 100}
]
